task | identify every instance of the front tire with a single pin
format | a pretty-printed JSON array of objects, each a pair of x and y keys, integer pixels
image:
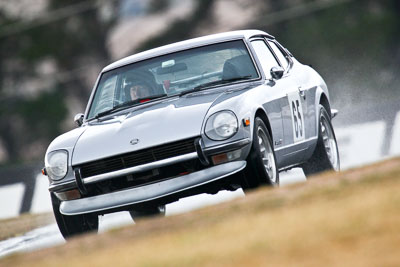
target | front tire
[
  {"x": 326, "y": 153},
  {"x": 261, "y": 163},
  {"x": 73, "y": 225}
]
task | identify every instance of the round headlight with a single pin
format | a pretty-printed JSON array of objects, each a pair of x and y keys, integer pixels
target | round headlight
[
  {"x": 221, "y": 125},
  {"x": 57, "y": 164}
]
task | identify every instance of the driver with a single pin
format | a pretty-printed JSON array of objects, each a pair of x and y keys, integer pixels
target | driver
[{"x": 138, "y": 89}]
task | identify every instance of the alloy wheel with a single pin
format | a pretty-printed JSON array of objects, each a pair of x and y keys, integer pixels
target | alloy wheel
[
  {"x": 267, "y": 155},
  {"x": 330, "y": 143}
]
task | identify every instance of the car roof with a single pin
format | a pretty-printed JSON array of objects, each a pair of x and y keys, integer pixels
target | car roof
[{"x": 187, "y": 44}]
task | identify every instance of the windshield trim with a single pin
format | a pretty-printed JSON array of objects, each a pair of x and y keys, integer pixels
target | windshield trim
[{"x": 243, "y": 39}]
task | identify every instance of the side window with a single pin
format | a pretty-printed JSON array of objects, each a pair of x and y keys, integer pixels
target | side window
[
  {"x": 279, "y": 54},
  {"x": 265, "y": 56}
]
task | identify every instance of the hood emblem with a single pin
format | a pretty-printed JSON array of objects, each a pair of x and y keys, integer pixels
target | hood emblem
[{"x": 134, "y": 141}]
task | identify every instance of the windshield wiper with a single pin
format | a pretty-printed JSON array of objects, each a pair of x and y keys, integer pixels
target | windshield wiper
[
  {"x": 224, "y": 81},
  {"x": 129, "y": 103}
]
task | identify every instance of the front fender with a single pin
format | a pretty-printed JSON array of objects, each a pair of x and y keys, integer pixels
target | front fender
[
  {"x": 242, "y": 103},
  {"x": 67, "y": 142}
]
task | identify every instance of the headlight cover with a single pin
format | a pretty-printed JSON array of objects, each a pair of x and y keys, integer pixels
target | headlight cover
[
  {"x": 57, "y": 164},
  {"x": 221, "y": 125}
]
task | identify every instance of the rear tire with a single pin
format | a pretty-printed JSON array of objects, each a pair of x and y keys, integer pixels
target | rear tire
[
  {"x": 326, "y": 153},
  {"x": 261, "y": 162},
  {"x": 73, "y": 225}
]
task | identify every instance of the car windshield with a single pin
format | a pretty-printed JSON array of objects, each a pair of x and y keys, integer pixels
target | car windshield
[{"x": 177, "y": 73}]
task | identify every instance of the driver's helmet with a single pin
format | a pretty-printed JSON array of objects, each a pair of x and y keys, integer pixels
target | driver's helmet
[
  {"x": 139, "y": 84},
  {"x": 136, "y": 88}
]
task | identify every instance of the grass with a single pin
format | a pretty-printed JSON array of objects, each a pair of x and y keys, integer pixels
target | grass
[
  {"x": 346, "y": 219},
  {"x": 19, "y": 225}
]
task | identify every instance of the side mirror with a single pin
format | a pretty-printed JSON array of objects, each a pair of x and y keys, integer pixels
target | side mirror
[
  {"x": 277, "y": 72},
  {"x": 78, "y": 119}
]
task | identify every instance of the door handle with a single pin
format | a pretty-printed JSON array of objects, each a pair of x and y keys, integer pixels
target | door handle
[{"x": 302, "y": 92}]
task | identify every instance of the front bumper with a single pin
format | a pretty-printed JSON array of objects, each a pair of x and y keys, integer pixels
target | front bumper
[{"x": 150, "y": 192}]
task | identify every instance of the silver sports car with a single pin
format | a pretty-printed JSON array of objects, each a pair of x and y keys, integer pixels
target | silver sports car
[{"x": 213, "y": 113}]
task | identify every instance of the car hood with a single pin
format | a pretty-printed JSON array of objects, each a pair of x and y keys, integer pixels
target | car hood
[{"x": 150, "y": 124}]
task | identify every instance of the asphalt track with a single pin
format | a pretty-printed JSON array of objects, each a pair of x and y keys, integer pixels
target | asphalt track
[{"x": 355, "y": 146}]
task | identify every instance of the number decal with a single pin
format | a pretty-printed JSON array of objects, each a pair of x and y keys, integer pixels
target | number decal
[
  {"x": 297, "y": 117},
  {"x": 295, "y": 120}
]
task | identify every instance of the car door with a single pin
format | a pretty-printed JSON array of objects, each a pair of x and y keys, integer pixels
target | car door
[
  {"x": 294, "y": 110},
  {"x": 307, "y": 89},
  {"x": 276, "y": 103}
]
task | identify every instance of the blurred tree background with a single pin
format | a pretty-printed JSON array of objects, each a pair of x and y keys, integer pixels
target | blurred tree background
[
  {"x": 44, "y": 70},
  {"x": 52, "y": 50}
]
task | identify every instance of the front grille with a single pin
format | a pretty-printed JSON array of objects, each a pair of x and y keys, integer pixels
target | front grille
[
  {"x": 136, "y": 158},
  {"x": 143, "y": 178}
]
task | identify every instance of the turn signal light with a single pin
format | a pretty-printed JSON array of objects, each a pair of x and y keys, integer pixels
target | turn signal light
[
  {"x": 225, "y": 157},
  {"x": 246, "y": 122},
  {"x": 68, "y": 195},
  {"x": 218, "y": 159}
]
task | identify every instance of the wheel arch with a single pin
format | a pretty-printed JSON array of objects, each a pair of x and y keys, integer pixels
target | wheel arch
[
  {"x": 261, "y": 113},
  {"x": 323, "y": 100}
]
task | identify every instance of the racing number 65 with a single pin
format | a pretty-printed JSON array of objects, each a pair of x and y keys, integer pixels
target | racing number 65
[{"x": 297, "y": 117}]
